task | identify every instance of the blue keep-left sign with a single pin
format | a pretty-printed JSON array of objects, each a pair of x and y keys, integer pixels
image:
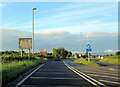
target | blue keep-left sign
[
  {"x": 88, "y": 46},
  {"x": 88, "y": 50}
]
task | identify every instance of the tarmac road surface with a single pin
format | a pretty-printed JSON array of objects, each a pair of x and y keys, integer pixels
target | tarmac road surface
[{"x": 60, "y": 74}]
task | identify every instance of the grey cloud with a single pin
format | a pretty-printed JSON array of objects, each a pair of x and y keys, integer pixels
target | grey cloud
[{"x": 100, "y": 41}]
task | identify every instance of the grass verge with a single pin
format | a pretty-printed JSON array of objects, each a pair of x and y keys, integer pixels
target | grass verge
[
  {"x": 111, "y": 59},
  {"x": 85, "y": 62},
  {"x": 12, "y": 70}
]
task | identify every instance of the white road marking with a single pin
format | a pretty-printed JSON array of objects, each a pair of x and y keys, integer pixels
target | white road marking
[
  {"x": 101, "y": 73},
  {"x": 52, "y": 73},
  {"x": 54, "y": 70},
  {"x": 103, "y": 76},
  {"x": 52, "y": 78},
  {"x": 109, "y": 81},
  {"x": 79, "y": 73},
  {"x": 18, "y": 84}
]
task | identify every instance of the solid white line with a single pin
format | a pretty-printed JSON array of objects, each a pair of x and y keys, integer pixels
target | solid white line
[
  {"x": 81, "y": 75},
  {"x": 103, "y": 76},
  {"x": 87, "y": 76},
  {"x": 18, "y": 84},
  {"x": 109, "y": 81},
  {"x": 90, "y": 77}
]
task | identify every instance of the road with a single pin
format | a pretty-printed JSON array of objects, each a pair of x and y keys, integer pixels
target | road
[
  {"x": 106, "y": 75},
  {"x": 64, "y": 74}
]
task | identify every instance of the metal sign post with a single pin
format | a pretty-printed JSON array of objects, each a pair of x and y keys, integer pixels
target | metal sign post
[
  {"x": 28, "y": 53},
  {"x": 88, "y": 50},
  {"x": 88, "y": 57},
  {"x": 21, "y": 53}
]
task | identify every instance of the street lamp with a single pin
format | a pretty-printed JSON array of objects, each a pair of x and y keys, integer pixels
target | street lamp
[{"x": 33, "y": 29}]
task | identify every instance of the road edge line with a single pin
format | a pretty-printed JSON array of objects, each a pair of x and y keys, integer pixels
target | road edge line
[
  {"x": 81, "y": 75},
  {"x": 86, "y": 75},
  {"x": 20, "y": 82},
  {"x": 90, "y": 78}
]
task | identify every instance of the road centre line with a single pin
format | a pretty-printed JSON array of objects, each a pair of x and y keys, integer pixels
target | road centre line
[
  {"x": 101, "y": 73},
  {"x": 83, "y": 75},
  {"x": 19, "y": 83},
  {"x": 52, "y": 78},
  {"x": 52, "y": 73},
  {"x": 51, "y": 70},
  {"x": 103, "y": 76},
  {"x": 109, "y": 81}
]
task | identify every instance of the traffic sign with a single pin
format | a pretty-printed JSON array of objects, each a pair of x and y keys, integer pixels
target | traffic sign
[
  {"x": 88, "y": 46},
  {"x": 88, "y": 50}
]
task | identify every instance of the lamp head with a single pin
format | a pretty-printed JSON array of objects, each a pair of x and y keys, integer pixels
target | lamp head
[{"x": 34, "y": 8}]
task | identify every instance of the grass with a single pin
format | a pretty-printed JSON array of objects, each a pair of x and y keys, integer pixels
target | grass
[
  {"x": 12, "y": 70},
  {"x": 85, "y": 62},
  {"x": 111, "y": 59}
]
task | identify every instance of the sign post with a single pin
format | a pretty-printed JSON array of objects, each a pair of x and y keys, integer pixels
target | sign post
[
  {"x": 88, "y": 57},
  {"x": 88, "y": 50},
  {"x": 21, "y": 53},
  {"x": 28, "y": 53}
]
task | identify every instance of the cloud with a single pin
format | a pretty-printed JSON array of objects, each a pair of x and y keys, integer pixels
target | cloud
[
  {"x": 86, "y": 27},
  {"x": 83, "y": 16},
  {"x": 109, "y": 51},
  {"x": 100, "y": 41}
]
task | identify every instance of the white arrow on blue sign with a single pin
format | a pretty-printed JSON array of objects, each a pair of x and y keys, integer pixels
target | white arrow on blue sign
[{"x": 88, "y": 46}]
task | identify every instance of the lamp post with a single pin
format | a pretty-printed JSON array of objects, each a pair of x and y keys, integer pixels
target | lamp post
[
  {"x": 81, "y": 42},
  {"x": 88, "y": 51},
  {"x": 33, "y": 29}
]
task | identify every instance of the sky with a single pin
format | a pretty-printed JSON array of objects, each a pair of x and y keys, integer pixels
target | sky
[{"x": 59, "y": 24}]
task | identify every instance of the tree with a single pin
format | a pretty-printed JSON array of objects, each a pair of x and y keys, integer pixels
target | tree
[
  {"x": 69, "y": 54},
  {"x": 77, "y": 55},
  {"x": 117, "y": 53},
  {"x": 55, "y": 52},
  {"x": 60, "y": 52},
  {"x": 65, "y": 54},
  {"x": 6, "y": 52}
]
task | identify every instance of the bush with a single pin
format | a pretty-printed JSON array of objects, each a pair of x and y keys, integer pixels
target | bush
[{"x": 117, "y": 53}]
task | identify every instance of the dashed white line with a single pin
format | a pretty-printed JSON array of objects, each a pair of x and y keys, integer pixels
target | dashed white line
[
  {"x": 53, "y": 78},
  {"x": 109, "y": 81},
  {"x": 52, "y": 73}
]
